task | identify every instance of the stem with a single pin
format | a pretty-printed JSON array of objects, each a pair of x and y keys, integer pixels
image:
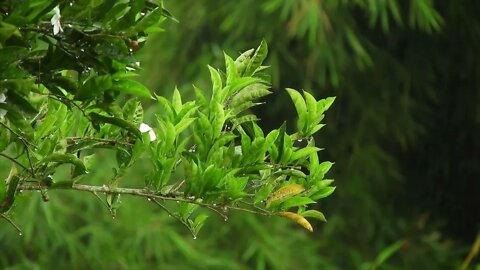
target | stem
[
  {"x": 7, "y": 218},
  {"x": 14, "y": 161},
  {"x": 177, "y": 196}
]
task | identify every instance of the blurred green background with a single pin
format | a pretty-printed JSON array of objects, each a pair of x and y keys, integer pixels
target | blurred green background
[{"x": 404, "y": 134}]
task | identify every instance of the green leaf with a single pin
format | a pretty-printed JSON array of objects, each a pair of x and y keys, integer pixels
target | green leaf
[
  {"x": 183, "y": 124},
  {"x": 314, "y": 214},
  {"x": 243, "y": 61},
  {"x": 250, "y": 93},
  {"x": 94, "y": 87},
  {"x": 131, "y": 87},
  {"x": 294, "y": 173},
  {"x": 21, "y": 102},
  {"x": 66, "y": 158},
  {"x": 116, "y": 122},
  {"x": 67, "y": 83},
  {"x": 177, "y": 101},
  {"x": 325, "y": 166},
  {"x": 301, "y": 108},
  {"x": 263, "y": 192},
  {"x": 198, "y": 223},
  {"x": 303, "y": 152},
  {"x": 322, "y": 193},
  {"x": 324, "y": 104},
  {"x": 232, "y": 74},
  {"x": 218, "y": 119},
  {"x": 243, "y": 119},
  {"x": 311, "y": 107},
  {"x": 150, "y": 23},
  {"x": 257, "y": 59},
  {"x": 216, "y": 84},
  {"x": 296, "y": 201}
]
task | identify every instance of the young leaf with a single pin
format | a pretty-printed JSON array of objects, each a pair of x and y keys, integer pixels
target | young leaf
[
  {"x": 322, "y": 193},
  {"x": 183, "y": 124},
  {"x": 301, "y": 108},
  {"x": 324, "y": 104},
  {"x": 216, "y": 84},
  {"x": 232, "y": 74},
  {"x": 314, "y": 214},
  {"x": 177, "y": 101},
  {"x": 304, "y": 152},
  {"x": 243, "y": 60},
  {"x": 257, "y": 59}
]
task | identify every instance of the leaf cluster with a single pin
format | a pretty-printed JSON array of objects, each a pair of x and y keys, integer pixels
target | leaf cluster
[{"x": 71, "y": 93}]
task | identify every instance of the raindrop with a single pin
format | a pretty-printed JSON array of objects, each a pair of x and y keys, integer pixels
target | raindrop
[
  {"x": 194, "y": 237},
  {"x": 130, "y": 50},
  {"x": 82, "y": 50},
  {"x": 225, "y": 219},
  {"x": 142, "y": 13},
  {"x": 20, "y": 234},
  {"x": 149, "y": 199},
  {"x": 71, "y": 4},
  {"x": 69, "y": 25},
  {"x": 300, "y": 140}
]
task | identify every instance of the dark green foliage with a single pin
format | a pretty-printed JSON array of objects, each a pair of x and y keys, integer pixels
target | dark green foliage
[
  {"x": 67, "y": 115},
  {"x": 404, "y": 120}
]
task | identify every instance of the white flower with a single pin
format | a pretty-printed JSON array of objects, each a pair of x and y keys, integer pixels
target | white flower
[
  {"x": 55, "y": 21},
  {"x": 2, "y": 100},
  {"x": 146, "y": 128}
]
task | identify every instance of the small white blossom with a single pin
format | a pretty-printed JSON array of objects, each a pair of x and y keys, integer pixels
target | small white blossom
[
  {"x": 2, "y": 100},
  {"x": 55, "y": 21},
  {"x": 146, "y": 128}
]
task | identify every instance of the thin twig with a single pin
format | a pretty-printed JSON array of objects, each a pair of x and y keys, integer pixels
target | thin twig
[
  {"x": 14, "y": 160},
  {"x": 102, "y": 140},
  {"x": 219, "y": 212},
  {"x": 170, "y": 212},
  {"x": 7, "y": 218},
  {"x": 178, "y": 197},
  {"x": 25, "y": 144}
]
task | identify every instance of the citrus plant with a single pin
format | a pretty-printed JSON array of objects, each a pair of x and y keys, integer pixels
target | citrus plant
[{"x": 67, "y": 91}]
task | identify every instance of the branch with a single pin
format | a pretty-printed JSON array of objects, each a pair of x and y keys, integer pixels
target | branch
[
  {"x": 7, "y": 218},
  {"x": 176, "y": 196}
]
